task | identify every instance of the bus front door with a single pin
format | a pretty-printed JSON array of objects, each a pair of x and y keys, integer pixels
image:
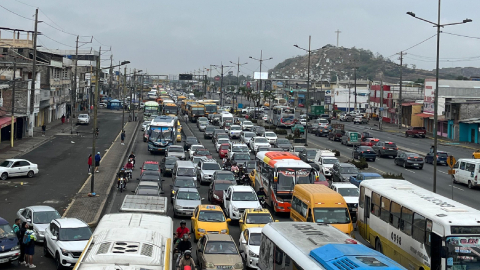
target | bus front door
[{"x": 366, "y": 218}]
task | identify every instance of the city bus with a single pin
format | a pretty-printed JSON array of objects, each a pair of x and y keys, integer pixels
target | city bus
[
  {"x": 283, "y": 116},
  {"x": 279, "y": 102},
  {"x": 419, "y": 229},
  {"x": 133, "y": 241},
  {"x": 210, "y": 107},
  {"x": 277, "y": 173},
  {"x": 162, "y": 133},
  {"x": 151, "y": 108},
  {"x": 184, "y": 104},
  {"x": 170, "y": 109},
  {"x": 315, "y": 246},
  {"x": 181, "y": 98}
]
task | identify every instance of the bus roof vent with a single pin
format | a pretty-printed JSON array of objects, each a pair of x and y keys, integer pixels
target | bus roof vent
[
  {"x": 352, "y": 257},
  {"x": 400, "y": 187},
  {"x": 125, "y": 247},
  {"x": 147, "y": 250},
  {"x": 454, "y": 209},
  {"x": 103, "y": 249}
]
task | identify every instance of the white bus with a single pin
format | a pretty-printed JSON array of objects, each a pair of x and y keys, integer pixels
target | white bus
[
  {"x": 312, "y": 246},
  {"x": 279, "y": 101},
  {"x": 129, "y": 241},
  {"x": 283, "y": 116},
  {"x": 162, "y": 132},
  {"x": 418, "y": 228}
]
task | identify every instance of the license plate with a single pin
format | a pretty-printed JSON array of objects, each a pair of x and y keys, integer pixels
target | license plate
[
  {"x": 415, "y": 164},
  {"x": 224, "y": 267},
  {"x": 391, "y": 149},
  {"x": 4, "y": 260}
]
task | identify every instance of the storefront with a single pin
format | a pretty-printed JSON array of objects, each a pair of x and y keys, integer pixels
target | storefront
[{"x": 469, "y": 130}]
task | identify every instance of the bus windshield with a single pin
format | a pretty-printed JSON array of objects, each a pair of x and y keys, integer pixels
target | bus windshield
[
  {"x": 331, "y": 215},
  {"x": 286, "y": 178},
  {"x": 211, "y": 108},
  {"x": 170, "y": 110},
  {"x": 462, "y": 252},
  {"x": 150, "y": 109}
]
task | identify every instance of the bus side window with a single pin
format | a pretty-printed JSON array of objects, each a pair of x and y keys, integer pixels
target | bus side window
[
  {"x": 395, "y": 210},
  {"x": 361, "y": 200},
  {"x": 385, "y": 210},
  {"x": 406, "y": 221},
  {"x": 375, "y": 204},
  {"x": 419, "y": 226},
  {"x": 278, "y": 256}
]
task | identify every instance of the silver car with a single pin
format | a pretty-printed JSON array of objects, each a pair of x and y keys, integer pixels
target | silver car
[
  {"x": 83, "y": 119},
  {"x": 185, "y": 201},
  {"x": 38, "y": 217},
  {"x": 175, "y": 151}
]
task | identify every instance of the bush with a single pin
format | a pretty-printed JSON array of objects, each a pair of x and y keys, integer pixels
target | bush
[
  {"x": 362, "y": 164},
  {"x": 253, "y": 121},
  {"x": 289, "y": 136},
  {"x": 281, "y": 131},
  {"x": 393, "y": 176},
  {"x": 337, "y": 153}
]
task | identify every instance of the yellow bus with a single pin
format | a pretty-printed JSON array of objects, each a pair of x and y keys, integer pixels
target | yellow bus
[
  {"x": 170, "y": 109},
  {"x": 320, "y": 204},
  {"x": 184, "y": 104},
  {"x": 210, "y": 107},
  {"x": 181, "y": 98}
]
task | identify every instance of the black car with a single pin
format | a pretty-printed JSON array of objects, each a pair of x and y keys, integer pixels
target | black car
[
  {"x": 240, "y": 157},
  {"x": 181, "y": 182},
  {"x": 386, "y": 148},
  {"x": 251, "y": 165},
  {"x": 366, "y": 152},
  {"x": 407, "y": 159},
  {"x": 189, "y": 141},
  {"x": 167, "y": 164},
  {"x": 150, "y": 176},
  {"x": 284, "y": 144},
  {"x": 259, "y": 130},
  {"x": 208, "y": 134},
  {"x": 322, "y": 131}
]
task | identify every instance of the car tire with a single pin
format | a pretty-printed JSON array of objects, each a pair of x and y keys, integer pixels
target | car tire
[
  {"x": 30, "y": 174},
  {"x": 4, "y": 176},
  {"x": 45, "y": 250},
  {"x": 404, "y": 165},
  {"x": 453, "y": 180},
  {"x": 470, "y": 184},
  {"x": 378, "y": 246},
  {"x": 420, "y": 168},
  {"x": 373, "y": 159},
  {"x": 58, "y": 264}
]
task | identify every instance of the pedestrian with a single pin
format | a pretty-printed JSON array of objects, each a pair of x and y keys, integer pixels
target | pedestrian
[
  {"x": 44, "y": 128},
  {"x": 16, "y": 228},
  {"x": 89, "y": 164},
  {"x": 29, "y": 240},
  {"x": 97, "y": 161},
  {"x": 63, "y": 119},
  {"x": 185, "y": 118},
  {"x": 23, "y": 229},
  {"x": 122, "y": 136}
]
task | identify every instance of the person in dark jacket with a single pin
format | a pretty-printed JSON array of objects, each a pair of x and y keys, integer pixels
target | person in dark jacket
[
  {"x": 23, "y": 229},
  {"x": 97, "y": 161}
]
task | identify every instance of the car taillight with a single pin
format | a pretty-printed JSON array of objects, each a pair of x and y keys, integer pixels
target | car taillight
[
  {"x": 384, "y": 147},
  {"x": 409, "y": 158}
]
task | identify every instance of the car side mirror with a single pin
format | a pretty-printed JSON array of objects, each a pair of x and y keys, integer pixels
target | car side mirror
[
  {"x": 192, "y": 218},
  {"x": 240, "y": 221},
  {"x": 29, "y": 220},
  {"x": 229, "y": 220},
  {"x": 54, "y": 238}
]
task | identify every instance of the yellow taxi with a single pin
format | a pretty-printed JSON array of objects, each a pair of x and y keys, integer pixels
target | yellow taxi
[
  {"x": 179, "y": 131},
  {"x": 255, "y": 217},
  {"x": 476, "y": 154},
  {"x": 208, "y": 219}
]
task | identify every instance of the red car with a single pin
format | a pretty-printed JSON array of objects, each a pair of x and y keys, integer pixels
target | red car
[
  {"x": 369, "y": 141},
  {"x": 150, "y": 166},
  {"x": 223, "y": 151},
  {"x": 322, "y": 180},
  {"x": 301, "y": 105},
  {"x": 216, "y": 189},
  {"x": 202, "y": 152}
]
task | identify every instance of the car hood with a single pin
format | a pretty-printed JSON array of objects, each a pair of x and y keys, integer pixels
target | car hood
[
  {"x": 223, "y": 259},
  {"x": 242, "y": 161},
  {"x": 347, "y": 175},
  {"x": 350, "y": 199},
  {"x": 330, "y": 166},
  {"x": 73, "y": 245},
  {"x": 8, "y": 243},
  {"x": 262, "y": 144},
  {"x": 176, "y": 154},
  {"x": 188, "y": 203},
  {"x": 246, "y": 204},
  {"x": 208, "y": 172},
  {"x": 41, "y": 227},
  {"x": 254, "y": 249},
  {"x": 169, "y": 166}
]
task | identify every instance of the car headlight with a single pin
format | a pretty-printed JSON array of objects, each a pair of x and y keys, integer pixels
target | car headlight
[
  {"x": 252, "y": 254},
  {"x": 234, "y": 208},
  {"x": 17, "y": 247},
  {"x": 209, "y": 265},
  {"x": 173, "y": 192},
  {"x": 178, "y": 207},
  {"x": 201, "y": 230},
  {"x": 223, "y": 231},
  {"x": 64, "y": 252},
  {"x": 216, "y": 197},
  {"x": 238, "y": 265}
]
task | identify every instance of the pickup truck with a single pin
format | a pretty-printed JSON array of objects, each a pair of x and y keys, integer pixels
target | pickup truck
[
  {"x": 144, "y": 204},
  {"x": 416, "y": 132}
]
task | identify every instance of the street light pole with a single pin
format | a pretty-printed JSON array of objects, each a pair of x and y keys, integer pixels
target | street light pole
[
  {"x": 438, "y": 25},
  {"x": 258, "y": 88},
  {"x": 307, "y": 103},
  {"x": 238, "y": 80}
]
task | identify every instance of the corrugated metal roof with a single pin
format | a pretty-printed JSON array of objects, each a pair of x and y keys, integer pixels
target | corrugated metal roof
[
  {"x": 470, "y": 121},
  {"x": 458, "y": 84}
]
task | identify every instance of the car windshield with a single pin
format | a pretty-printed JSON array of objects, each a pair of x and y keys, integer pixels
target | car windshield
[
  {"x": 251, "y": 165},
  {"x": 209, "y": 128},
  {"x": 270, "y": 134},
  {"x": 329, "y": 161},
  {"x": 261, "y": 140},
  {"x": 175, "y": 149},
  {"x": 211, "y": 216},
  {"x": 6, "y": 163},
  {"x": 390, "y": 145},
  {"x": 283, "y": 141},
  {"x": 224, "y": 147},
  {"x": 351, "y": 170},
  {"x": 365, "y": 148},
  {"x": 186, "y": 172},
  {"x": 225, "y": 176},
  {"x": 222, "y": 186},
  {"x": 462, "y": 252},
  {"x": 331, "y": 215},
  {"x": 185, "y": 183},
  {"x": 82, "y": 115},
  {"x": 147, "y": 191},
  {"x": 235, "y": 128},
  {"x": 239, "y": 149},
  {"x": 311, "y": 153},
  {"x": 202, "y": 152},
  {"x": 248, "y": 134},
  {"x": 220, "y": 247},
  {"x": 247, "y": 123},
  {"x": 244, "y": 196},
  {"x": 195, "y": 147},
  {"x": 349, "y": 192},
  {"x": 442, "y": 154},
  {"x": 6, "y": 231},
  {"x": 259, "y": 218},
  {"x": 187, "y": 195},
  {"x": 241, "y": 156},
  {"x": 74, "y": 234},
  {"x": 45, "y": 217},
  {"x": 170, "y": 161},
  {"x": 255, "y": 239},
  {"x": 299, "y": 149},
  {"x": 211, "y": 166}
]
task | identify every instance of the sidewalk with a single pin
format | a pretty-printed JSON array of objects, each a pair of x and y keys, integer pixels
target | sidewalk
[
  {"x": 26, "y": 144},
  {"x": 90, "y": 209}
]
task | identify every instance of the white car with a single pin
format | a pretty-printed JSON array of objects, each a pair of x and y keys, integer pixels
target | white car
[
  {"x": 249, "y": 246},
  {"x": 350, "y": 193},
  {"x": 65, "y": 239},
  {"x": 220, "y": 141},
  {"x": 303, "y": 122},
  {"x": 247, "y": 136},
  {"x": 238, "y": 198},
  {"x": 193, "y": 148},
  {"x": 145, "y": 124},
  {"x": 235, "y": 131},
  {"x": 256, "y": 142},
  {"x": 237, "y": 148},
  {"x": 247, "y": 125},
  {"x": 39, "y": 218},
  {"x": 83, "y": 119},
  {"x": 17, "y": 167},
  {"x": 271, "y": 136}
]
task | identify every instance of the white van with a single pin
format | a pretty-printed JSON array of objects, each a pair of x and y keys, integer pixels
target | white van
[
  {"x": 325, "y": 160},
  {"x": 466, "y": 172},
  {"x": 226, "y": 117}
]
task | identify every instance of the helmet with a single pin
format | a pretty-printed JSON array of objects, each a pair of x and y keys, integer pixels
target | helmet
[
  {"x": 183, "y": 222},
  {"x": 261, "y": 188},
  {"x": 123, "y": 169},
  {"x": 185, "y": 236},
  {"x": 188, "y": 252}
]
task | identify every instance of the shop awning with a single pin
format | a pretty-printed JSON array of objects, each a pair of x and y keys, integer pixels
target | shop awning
[
  {"x": 470, "y": 121},
  {"x": 424, "y": 115},
  {"x": 6, "y": 121},
  {"x": 410, "y": 104}
]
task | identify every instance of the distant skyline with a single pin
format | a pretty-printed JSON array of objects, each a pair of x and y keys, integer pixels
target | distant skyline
[{"x": 172, "y": 37}]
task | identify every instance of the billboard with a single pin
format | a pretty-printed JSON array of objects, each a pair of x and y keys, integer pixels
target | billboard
[{"x": 260, "y": 75}]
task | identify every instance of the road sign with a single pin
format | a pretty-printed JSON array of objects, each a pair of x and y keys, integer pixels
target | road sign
[
  {"x": 451, "y": 161},
  {"x": 451, "y": 171},
  {"x": 353, "y": 136}
]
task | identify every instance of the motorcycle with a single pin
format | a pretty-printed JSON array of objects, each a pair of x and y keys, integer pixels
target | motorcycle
[
  {"x": 261, "y": 200},
  {"x": 128, "y": 172},
  {"x": 132, "y": 161},
  {"x": 227, "y": 168},
  {"x": 121, "y": 184}
]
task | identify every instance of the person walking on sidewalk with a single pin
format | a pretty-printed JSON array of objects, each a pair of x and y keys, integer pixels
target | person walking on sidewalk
[
  {"x": 29, "y": 240},
  {"x": 89, "y": 164},
  {"x": 122, "y": 136},
  {"x": 63, "y": 119},
  {"x": 44, "y": 128},
  {"x": 97, "y": 161}
]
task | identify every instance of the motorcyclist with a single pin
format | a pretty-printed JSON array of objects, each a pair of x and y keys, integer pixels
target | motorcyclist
[
  {"x": 186, "y": 260},
  {"x": 227, "y": 163},
  {"x": 121, "y": 174},
  {"x": 234, "y": 168},
  {"x": 261, "y": 193},
  {"x": 181, "y": 230},
  {"x": 132, "y": 157},
  {"x": 184, "y": 245}
]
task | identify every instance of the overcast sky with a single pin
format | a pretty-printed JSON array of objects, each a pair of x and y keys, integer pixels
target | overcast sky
[{"x": 171, "y": 37}]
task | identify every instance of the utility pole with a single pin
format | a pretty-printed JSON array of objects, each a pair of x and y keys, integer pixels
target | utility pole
[
  {"x": 221, "y": 87},
  {"x": 95, "y": 123},
  {"x": 34, "y": 71},
  {"x": 380, "y": 110},
  {"x": 238, "y": 80},
  {"x": 74, "y": 90},
  {"x": 400, "y": 91},
  {"x": 338, "y": 35},
  {"x": 123, "y": 95},
  {"x": 13, "y": 101},
  {"x": 134, "y": 94},
  {"x": 111, "y": 74}
]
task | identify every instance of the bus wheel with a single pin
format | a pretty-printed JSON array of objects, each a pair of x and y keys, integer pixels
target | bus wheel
[{"x": 378, "y": 245}]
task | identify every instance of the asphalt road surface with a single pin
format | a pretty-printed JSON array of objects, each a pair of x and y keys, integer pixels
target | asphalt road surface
[{"x": 62, "y": 164}]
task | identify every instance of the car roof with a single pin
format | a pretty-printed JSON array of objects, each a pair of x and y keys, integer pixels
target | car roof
[
  {"x": 41, "y": 208},
  {"x": 209, "y": 160},
  {"x": 209, "y": 207},
  {"x": 197, "y": 145},
  {"x": 219, "y": 237},
  {"x": 344, "y": 185},
  {"x": 344, "y": 164},
  {"x": 223, "y": 172},
  {"x": 255, "y": 229},
  {"x": 256, "y": 210},
  {"x": 188, "y": 189},
  {"x": 148, "y": 183},
  {"x": 222, "y": 182},
  {"x": 242, "y": 188},
  {"x": 175, "y": 146},
  {"x": 3, "y": 221},
  {"x": 369, "y": 174},
  {"x": 16, "y": 159},
  {"x": 70, "y": 223}
]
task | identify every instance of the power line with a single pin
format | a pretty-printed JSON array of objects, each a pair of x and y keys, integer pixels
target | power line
[
  {"x": 414, "y": 45},
  {"x": 458, "y": 35},
  {"x": 26, "y": 4},
  {"x": 100, "y": 42},
  {"x": 48, "y": 18},
  {"x": 57, "y": 41},
  {"x": 16, "y": 13},
  {"x": 58, "y": 29}
]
